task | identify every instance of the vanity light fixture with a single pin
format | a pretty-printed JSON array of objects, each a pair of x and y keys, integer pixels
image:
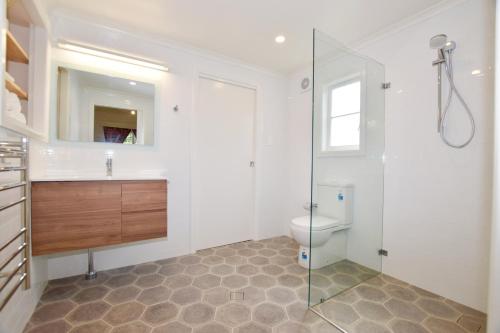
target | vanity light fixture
[
  {"x": 107, "y": 54},
  {"x": 132, "y": 83}
]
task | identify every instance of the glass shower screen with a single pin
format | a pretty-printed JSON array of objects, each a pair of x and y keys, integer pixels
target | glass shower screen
[{"x": 347, "y": 169}]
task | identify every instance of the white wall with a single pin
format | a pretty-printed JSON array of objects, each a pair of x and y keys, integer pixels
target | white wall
[
  {"x": 437, "y": 199},
  {"x": 299, "y": 131},
  {"x": 494, "y": 285},
  {"x": 171, "y": 154}
]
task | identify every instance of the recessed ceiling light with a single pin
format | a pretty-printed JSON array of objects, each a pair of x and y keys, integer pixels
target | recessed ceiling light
[
  {"x": 132, "y": 83},
  {"x": 132, "y": 112},
  {"x": 280, "y": 39}
]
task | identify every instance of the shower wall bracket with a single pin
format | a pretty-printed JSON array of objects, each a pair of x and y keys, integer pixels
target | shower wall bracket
[
  {"x": 386, "y": 85},
  {"x": 383, "y": 252}
]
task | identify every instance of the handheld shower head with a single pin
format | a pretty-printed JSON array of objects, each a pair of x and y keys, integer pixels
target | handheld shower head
[{"x": 438, "y": 41}]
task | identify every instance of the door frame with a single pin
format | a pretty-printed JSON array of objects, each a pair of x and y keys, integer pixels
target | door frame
[{"x": 192, "y": 201}]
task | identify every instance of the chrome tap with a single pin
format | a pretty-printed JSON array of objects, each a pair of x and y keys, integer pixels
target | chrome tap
[{"x": 109, "y": 166}]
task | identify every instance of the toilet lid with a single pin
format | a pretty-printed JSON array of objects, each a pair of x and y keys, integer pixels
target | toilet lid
[{"x": 319, "y": 222}]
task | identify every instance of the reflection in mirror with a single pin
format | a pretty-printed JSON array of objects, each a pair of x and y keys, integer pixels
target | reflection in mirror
[{"x": 100, "y": 108}]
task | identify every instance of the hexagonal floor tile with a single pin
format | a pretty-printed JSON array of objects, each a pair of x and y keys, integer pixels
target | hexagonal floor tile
[
  {"x": 217, "y": 296},
  {"x": 91, "y": 294},
  {"x": 124, "y": 313},
  {"x": 234, "y": 281},
  {"x": 198, "y": 313},
  {"x": 160, "y": 313},
  {"x": 154, "y": 295},
  {"x": 233, "y": 314},
  {"x": 174, "y": 327},
  {"x": 52, "y": 311},
  {"x": 89, "y": 312},
  {"x": 123, "y": 294},
  {"x": 151, "y": 280},
  {"x": 207, "y": 281},
  {"x": 186, "y": 295},
  {"x": 268, "y": 314}
]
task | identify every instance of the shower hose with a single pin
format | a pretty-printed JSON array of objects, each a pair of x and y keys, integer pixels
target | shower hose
[{"x": 453, "y": 90}]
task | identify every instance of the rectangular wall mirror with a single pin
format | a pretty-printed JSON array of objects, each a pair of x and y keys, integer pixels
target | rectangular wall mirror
[{"x": 100, "y": 108}]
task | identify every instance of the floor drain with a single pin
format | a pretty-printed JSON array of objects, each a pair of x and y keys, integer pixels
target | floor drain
[{"x": 237, "y": 295}]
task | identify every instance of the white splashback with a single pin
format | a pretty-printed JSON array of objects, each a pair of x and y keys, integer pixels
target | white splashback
[{"x": 335, "y": 201}]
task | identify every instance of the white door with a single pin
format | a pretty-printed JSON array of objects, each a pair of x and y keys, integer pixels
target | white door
[{"x": 223, "y": 179}]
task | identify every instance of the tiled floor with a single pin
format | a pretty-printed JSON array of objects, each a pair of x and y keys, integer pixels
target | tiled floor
[
  {"x": 336, "y": 278},
  {"x": 384, "y": 305},
  {"x": 250, "y": 287}
]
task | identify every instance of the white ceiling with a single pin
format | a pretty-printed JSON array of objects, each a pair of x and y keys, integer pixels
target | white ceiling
[{"x": 245, "y": 29}]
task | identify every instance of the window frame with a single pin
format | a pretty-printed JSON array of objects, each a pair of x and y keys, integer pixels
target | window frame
[{"x": 327, "y": 150}]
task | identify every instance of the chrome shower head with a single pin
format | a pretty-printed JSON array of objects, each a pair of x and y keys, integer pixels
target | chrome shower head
[{"x": 438, "y": 41}]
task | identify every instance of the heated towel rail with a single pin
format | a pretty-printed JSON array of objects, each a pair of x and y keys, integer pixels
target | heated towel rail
[{"x": 14, "y": 250}]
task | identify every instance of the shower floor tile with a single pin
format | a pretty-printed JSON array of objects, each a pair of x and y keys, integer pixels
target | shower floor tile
[
  {"x": 248, "y": 287},
  {"x": 384, "y": 304}
]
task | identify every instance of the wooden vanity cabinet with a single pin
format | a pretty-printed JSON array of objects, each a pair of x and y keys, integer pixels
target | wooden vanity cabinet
[
  {"x": 144, "y": 210},
  {"x": 74, "y": 215}
]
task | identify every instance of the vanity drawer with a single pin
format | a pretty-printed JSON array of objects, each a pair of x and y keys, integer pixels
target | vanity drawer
[
  {"x": 77, "y": 215},
  {"x": 144, "y": 225},
  {"x": 74, "y": 215},
  {"x": 144, "y": 196}
]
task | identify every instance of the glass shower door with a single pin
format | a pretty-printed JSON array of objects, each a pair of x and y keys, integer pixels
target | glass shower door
[{"x": 347, "y": 169}]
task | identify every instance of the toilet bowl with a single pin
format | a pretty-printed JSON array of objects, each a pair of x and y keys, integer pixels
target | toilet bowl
[
  {"x": 327, "y": 244},
  {"x": 326, "y": 241}
]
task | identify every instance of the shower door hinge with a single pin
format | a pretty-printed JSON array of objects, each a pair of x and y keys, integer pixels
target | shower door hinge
[
  {"x": 386, "y": 85},
  {"x": 252, "y": 164},
  {"x": 383, "y": 252}
]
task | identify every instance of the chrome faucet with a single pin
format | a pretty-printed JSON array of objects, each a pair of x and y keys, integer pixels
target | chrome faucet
[{"x": 109, "y": 166}]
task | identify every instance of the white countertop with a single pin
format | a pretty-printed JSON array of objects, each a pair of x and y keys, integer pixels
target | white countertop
[{"x": 95, "y": 178}]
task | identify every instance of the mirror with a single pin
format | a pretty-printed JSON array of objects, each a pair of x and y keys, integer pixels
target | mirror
[{"x": 99, "y": 108}]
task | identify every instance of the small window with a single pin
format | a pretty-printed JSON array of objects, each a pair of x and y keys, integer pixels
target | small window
[{"x": 342, "y": 119}]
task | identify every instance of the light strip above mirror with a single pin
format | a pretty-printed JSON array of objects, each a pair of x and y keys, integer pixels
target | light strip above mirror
[{"x": 107, "y": 54}]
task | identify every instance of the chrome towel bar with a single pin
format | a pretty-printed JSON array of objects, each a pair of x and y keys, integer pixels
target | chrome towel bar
[
  {"x": 13, "y": 255},
  {"x": 6, "y": 169},
  {"x": 13, "y": 290},
  {"x": 12, "y": 185},
  {"x": 23, "y": 199},
  {"x": 9, "y": 276},
  {"x": 11, "y": 154},
  {"x": 14, "y": 157},
  {"x": 19, "y": 234}
]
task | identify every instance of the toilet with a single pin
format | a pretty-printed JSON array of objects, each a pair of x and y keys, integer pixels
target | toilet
[{"x": 331, "y": 220}]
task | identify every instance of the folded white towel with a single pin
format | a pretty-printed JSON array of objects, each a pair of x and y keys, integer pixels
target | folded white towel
[
  {"x": 17, "y": 116},
  {"x": 13, "y": 107},
  {"x": 12, "y": 102}
]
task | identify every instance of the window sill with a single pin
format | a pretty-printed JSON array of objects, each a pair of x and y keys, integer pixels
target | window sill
[{"x": 340, "y": 153}]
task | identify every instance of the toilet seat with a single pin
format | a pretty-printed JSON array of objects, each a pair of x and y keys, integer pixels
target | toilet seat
[{"x": 319, "y": 223}]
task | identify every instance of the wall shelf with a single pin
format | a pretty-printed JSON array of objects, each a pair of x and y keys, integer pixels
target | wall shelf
[
  {"x": 15, "y": 52},
  {"x": 12, "y": 87}
]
